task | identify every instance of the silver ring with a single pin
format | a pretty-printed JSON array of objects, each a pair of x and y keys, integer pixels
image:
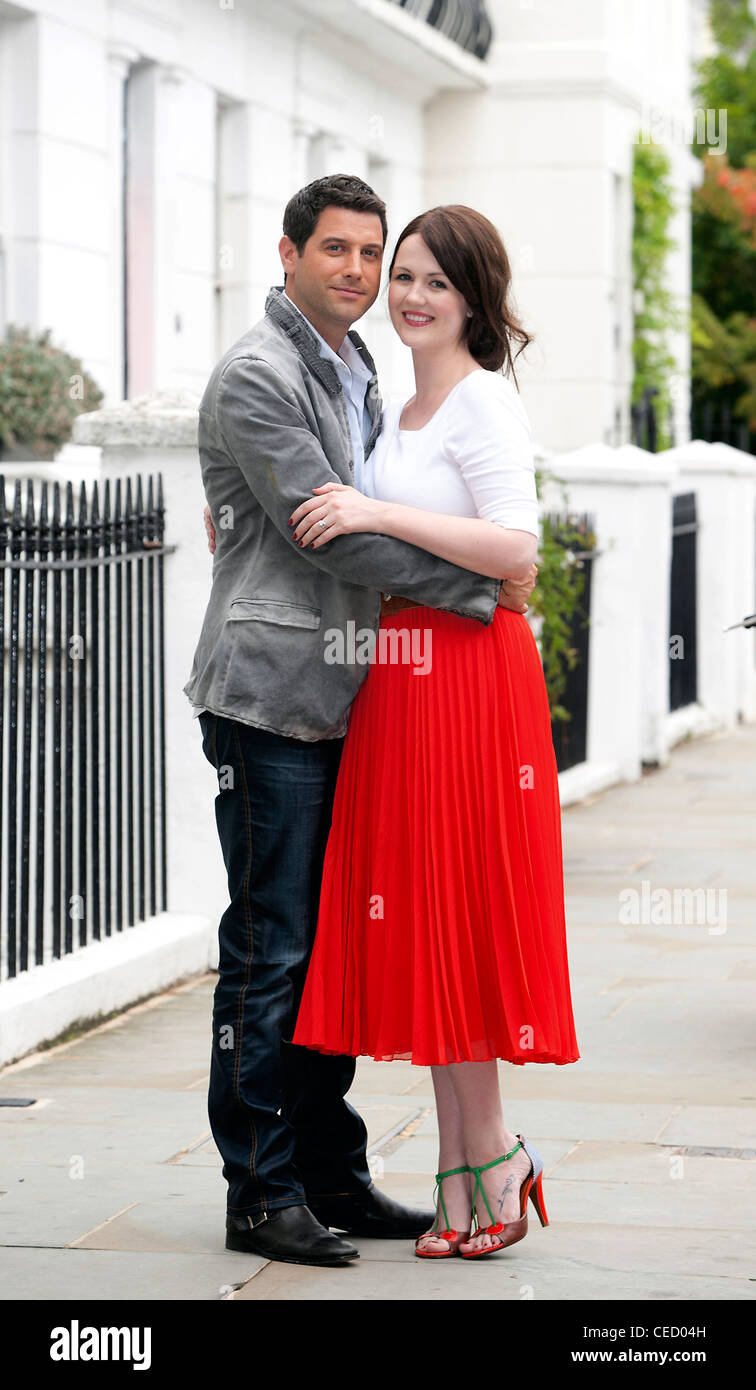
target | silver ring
[{"x": 322, "y": 523}]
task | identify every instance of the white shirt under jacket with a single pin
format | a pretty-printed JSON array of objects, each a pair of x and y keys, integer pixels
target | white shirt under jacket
[{"x": 474, "y": 457}]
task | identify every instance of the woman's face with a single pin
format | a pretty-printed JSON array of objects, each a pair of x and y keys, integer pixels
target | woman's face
[{"x": 426, "y": 310}]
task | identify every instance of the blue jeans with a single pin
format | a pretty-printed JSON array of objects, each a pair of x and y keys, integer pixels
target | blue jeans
[{"x": 278, "y": 1113}]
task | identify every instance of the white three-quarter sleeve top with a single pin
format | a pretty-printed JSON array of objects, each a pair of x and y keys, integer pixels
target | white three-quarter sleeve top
[{"x": 474, "y": 457}]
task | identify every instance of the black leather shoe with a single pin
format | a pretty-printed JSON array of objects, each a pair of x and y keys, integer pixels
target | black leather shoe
[
  {"x": 290, "y": 1234},
  {"x": 371, "y": 1213}
]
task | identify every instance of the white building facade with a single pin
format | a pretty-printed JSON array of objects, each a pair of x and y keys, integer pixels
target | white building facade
[{"x": 147, "y": 152}]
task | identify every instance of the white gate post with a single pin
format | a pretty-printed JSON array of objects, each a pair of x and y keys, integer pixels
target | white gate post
[{"x": 152, "y": 434}]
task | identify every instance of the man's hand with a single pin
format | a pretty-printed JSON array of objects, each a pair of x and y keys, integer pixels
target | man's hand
[
  {"x": 210, "y": 531},
  {"x": 514, "y": 593}
]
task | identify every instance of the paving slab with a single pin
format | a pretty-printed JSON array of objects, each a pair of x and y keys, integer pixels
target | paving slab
[
  {"x": 668, "y": 1203},
  {"x": 712, "y": 1125},
  {"x": 640, "y": 1164},
  {"x": 158, "y": 1227},
  {"x": 77, "y": 1275}
]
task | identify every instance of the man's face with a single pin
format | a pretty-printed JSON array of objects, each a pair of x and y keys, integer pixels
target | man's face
[{"x": 338, "y": 275}]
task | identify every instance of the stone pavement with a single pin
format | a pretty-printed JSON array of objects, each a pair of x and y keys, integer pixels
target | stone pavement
[{"x": 111, "y": 1184}]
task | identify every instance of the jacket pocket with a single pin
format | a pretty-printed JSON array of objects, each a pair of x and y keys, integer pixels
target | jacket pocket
[{"x": 272, "y": 610}]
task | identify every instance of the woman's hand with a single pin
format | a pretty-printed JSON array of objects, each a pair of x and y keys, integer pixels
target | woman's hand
[
  {"x": 514, "y": 593},
  {"x": 344, "y": 509},
  {"x": 210, "y": 531}
]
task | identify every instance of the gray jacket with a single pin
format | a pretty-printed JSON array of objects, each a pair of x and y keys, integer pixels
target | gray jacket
[{"x": 272, "y": 426}]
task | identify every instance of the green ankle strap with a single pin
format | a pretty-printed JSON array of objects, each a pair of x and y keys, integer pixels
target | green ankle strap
[
  {"x": 478, "y": 1183},
  {"x": 452, "y": 1173}
]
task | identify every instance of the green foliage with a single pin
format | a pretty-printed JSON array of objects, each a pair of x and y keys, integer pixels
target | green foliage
[
  {"x": 731, "y": 22},
  {"x": 723, "y": 222},
  {"x": 723, "y": 262},
  {"x": 556, "y": 598},
  {"x": 655, "y": 309},
  {"x": 723, "y": 356},
  {"x": 42, "y": 390},
  {"x": 727, "y": 80}
]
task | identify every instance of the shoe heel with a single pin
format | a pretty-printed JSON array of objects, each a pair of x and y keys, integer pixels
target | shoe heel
[
  {"x": 536, "y": 1197},
  {"x": 241, "y": 1238}
]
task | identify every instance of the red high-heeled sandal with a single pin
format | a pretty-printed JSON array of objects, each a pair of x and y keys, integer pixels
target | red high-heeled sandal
[
  {"x": 509, "y": 1232},
  {"x": 454, "y": 1238}
]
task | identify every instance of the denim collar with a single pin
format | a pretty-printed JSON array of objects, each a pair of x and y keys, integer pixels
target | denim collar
[{"x": 284, "y": 313}]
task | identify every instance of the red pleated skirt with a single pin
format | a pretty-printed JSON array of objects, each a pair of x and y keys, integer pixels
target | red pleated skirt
[{"x": 441, "y": 929}]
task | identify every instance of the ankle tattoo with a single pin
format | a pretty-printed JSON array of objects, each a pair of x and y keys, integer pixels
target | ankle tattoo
[{"x": 507, "y": 1189}]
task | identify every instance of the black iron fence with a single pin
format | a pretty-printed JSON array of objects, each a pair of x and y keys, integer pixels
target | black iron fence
[
  {"x": 683, "y": 618},
  {"x": 643, "y": 421},
  {"x": 82, "y": 716},
  {"x": 718, "y": 424},
  {"x": 711, "y": 422},
  {"x": 570, "y": 736}
]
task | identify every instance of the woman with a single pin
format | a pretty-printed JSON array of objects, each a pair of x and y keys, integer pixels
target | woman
[{"x": 441, "y": 933}]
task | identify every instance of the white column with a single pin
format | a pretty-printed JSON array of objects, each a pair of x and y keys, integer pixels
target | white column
[
  {"x": 151, "y": 224},
  {"x": 303, "y": 133},
  {"x": 234, "y": 271},
  {"x": 53, "y": 118},
  {"x": 346, "y": 156},
  {"x": 120, "y": 60},
  {"x": 167, "y": 137},
  {"x": 192, "y": 248},
  {"x": 140, "y": 231},
  {"x": 257, "y": 150}
]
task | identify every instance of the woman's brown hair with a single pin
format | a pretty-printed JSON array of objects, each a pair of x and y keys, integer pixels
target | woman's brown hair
[{"x": 471, "y": 254}]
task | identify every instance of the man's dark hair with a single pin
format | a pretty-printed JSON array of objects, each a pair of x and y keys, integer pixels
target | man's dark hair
[{"x": 336, "y": 190}]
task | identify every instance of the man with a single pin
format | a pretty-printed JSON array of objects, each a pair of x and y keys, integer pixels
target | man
[{"x": 294, "y": 404}]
